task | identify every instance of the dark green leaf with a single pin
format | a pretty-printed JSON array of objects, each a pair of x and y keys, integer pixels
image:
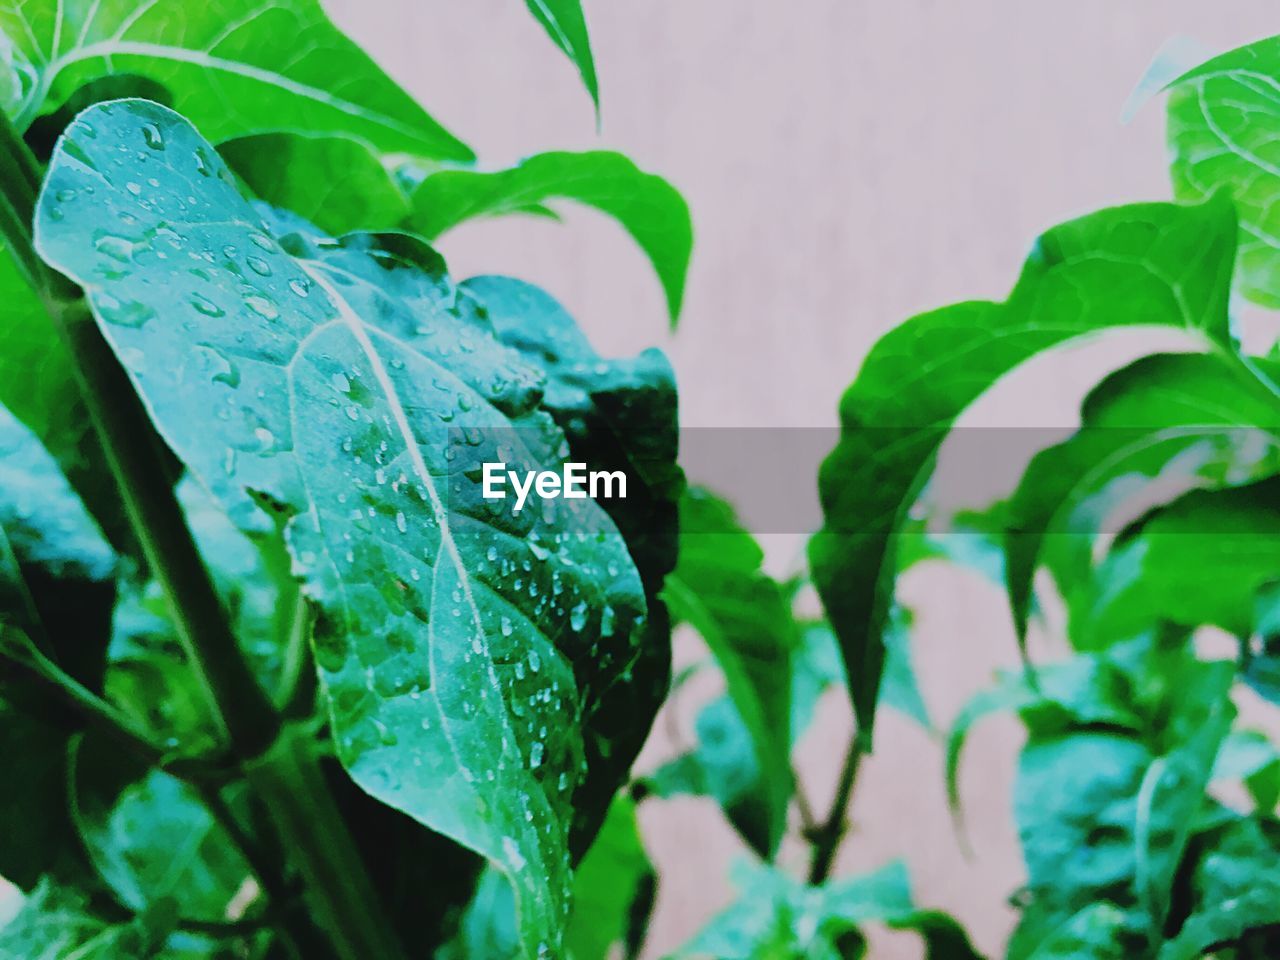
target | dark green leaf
[
  {"x": 152, "y": 839},
  {"x": 617, "y": 414},
  {"x": 353, "y": 391},
  {"x": 236, "y": 68},
  {"x": 720, "y": 589},
  {"x": 1155, "y": 264},
  {"x": 567, "y": 28},
  {"x": 1183, "y": 421},
  {"x": 614, "y": 874},
  {"x": 56, "y": 592},
  {"x": 646, "y": 206},
  {"x": 1221, "y": 115},
  {"x": 1235, "y": 894},
  {"x": 1201, "y": 560}
]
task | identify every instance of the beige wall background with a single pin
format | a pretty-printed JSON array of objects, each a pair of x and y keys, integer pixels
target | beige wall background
[{"x": 849, "y": 163}]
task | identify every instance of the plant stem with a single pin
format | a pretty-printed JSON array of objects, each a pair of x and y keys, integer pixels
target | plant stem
[
  {"x": 237, "y": 702},
  {"x": 99, "y": 715},
  {"x": 281, "y": 768},
  {"x": 290, "y": 781},
  {"x": 826, "y": 838}
]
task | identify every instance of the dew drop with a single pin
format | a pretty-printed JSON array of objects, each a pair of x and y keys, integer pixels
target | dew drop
[
  {"x": 206, "y": 306},
  {"x": 152, "y": 136},
  {"x": 262, "y": 307}
]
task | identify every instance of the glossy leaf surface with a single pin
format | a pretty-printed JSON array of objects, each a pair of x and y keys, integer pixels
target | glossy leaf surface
[{"x": 349, "y": 390}]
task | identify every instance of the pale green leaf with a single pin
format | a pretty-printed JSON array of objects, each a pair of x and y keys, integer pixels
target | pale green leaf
[
  {"x": 56, "y": 924},
  {"x": 152, "y": 839},
  {"x": 1222, "y": 121},
  {"x": 236, "y": 68},
  {"x": 352, "y": 391}
]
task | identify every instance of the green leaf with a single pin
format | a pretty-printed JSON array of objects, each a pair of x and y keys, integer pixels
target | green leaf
[
  {"x": 237, "y": 68},
  {"x": 1204, "y": 559},
  {"x": 1084, "y": 691},
  {"x": 777, "y": 916},
  {"x": 1220, "y": 119},
  {"x": 1105, "y": 814},
  {"x": 1249, "y": 756},
  {"x": 1235, "y": 894},
  {"x": 617, "y": 414},
  {"x": 351, "y": 391},
  {"x": 1181, "y": 421},
  {"x": 1075, "y": 804},
  {"x": 55, "y": 924},
  {"x": 152, "y": 839},
  {"x": 723, "y": 766},
  {"x": 567, "y": 28},
  {"x": 336, "y": 182},
  {"x": 56, "y": 591},
  {"x": 1155, "y": 264},
  {"x": 646, "y": 206},
  {"x": 1095, "y": 933},
  {"x": 361, "y": 193},
  {"x": 721, "y": 590},
  {"x": 612, "y": 878}
]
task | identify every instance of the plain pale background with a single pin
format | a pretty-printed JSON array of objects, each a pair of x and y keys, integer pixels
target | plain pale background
[{"x": 848, "y": 163}]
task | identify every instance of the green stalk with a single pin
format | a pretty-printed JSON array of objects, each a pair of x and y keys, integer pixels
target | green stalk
[
  {"x": 826, "y": 838},
  {"x": 279, "y": 763}
]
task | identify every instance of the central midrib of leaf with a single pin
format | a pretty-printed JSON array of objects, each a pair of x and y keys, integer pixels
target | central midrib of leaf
[
  {"x": 204, "y": 58},
  {"x": 351, "y": 321}
]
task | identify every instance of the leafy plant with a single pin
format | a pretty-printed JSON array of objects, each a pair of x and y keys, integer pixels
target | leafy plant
[{"x": 277, "y": 679}]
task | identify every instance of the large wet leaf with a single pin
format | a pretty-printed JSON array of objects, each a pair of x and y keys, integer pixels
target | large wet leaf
[
  {"x": 1153, "y": 264},
  {"x": 236, "y": 68},
  {"x": 348, "y": 388},
  {"x": 1163, "y": 425},
  {"x": 1223, "y": 117}
]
